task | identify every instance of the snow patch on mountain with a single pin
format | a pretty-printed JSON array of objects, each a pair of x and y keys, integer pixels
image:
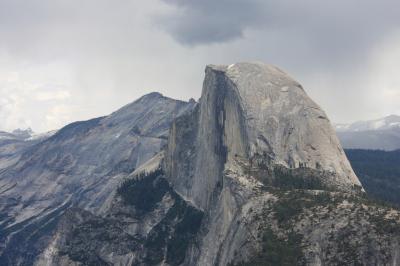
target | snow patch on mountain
[{"x": 385, "y": 123}]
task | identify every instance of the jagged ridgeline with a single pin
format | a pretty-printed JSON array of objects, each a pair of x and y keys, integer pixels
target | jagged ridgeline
[{"x": 252, "y": 174}]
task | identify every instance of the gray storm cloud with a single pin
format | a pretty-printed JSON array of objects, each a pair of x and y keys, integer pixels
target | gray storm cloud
[
  {"x": 203, "y": 22},
  {"x": 336, "y": 27}
]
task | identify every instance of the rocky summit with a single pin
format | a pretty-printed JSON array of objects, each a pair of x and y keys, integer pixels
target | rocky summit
[
  {"x": 252, "y": 116},
  {"x": 252, "y": 174}
]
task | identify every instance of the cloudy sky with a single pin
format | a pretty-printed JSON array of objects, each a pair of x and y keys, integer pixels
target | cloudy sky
[{"x": 65, "y": 60}]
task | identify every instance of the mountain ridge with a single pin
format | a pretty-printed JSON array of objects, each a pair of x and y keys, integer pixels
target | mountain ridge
[
  {"x": 253, "y": 174},
  {"x": 80, "y": 165}
]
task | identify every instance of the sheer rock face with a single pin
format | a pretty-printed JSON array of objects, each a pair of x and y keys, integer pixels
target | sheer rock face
[
  {"x": 257, "y": 113},
  {"x": 251, "y": 118}
]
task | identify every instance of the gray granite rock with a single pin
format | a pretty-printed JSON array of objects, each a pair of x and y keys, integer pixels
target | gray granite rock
[
  {"x": 257, "y": 113},
  {"x": 81, "y": 164}
]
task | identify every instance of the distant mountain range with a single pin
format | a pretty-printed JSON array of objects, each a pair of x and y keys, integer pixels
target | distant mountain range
[
  {"x": 379, "y": 134},
  {"x": 385, "y": 123}
]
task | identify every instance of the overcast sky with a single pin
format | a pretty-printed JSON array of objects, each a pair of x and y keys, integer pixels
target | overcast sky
[{"x": 65, "y": 60}]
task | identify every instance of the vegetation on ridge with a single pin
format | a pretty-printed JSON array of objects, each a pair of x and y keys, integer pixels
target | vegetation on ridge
[
  {"x": 144, "y": 191},
  {"x": 168, "y": 240}
]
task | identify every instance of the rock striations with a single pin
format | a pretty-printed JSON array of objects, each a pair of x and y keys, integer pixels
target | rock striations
[
  {"x": 253, "y": 174},
  {"x": 257, "y": 114},
  {"x": 253, "y": 121}
]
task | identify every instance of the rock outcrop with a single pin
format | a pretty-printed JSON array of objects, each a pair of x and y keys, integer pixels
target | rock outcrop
[
  {"x": 254, "y": 137},
  {"x": 253, "y": 113}
]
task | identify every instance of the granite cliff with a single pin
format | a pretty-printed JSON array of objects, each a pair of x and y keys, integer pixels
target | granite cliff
[{"x": 253, "y": 114}]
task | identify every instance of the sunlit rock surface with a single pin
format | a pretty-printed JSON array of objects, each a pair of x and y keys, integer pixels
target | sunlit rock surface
[{"x": 257, "y": 113}]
